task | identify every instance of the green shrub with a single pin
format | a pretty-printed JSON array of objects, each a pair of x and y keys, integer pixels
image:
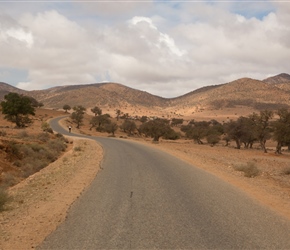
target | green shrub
[{"x": 250, "y": 169}]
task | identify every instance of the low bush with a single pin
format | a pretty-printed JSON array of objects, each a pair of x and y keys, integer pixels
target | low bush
[
  {"x": 3, "y": 133},
  {"x": 44, "y": 137},
  {"x": 46, "y": 128},
  {"x": 8, "y": 179},
  {"x": 4, "y": 198},
  {"x": 286, "y": 171},
  {"x": 35, "y": 153},
  {"x": 56, "y": 145},
  {"x": 23, "y": 134},
  {"x": 250, "y": 169},
  {"x": 78, "y": 149},
  {"x": 61, "y": 137}
]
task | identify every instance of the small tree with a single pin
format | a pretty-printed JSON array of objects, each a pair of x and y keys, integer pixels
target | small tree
[
  {"x": 96, "y": 110},
  {"x": 111, "y": 128},
  {"x": 196, "y": 130},
  {"x": 282, "y": 130},
  {"x": 262, "y": 127},
  {"x": 78, "y": 115},
  {"x": 249, "y": 131},
  {"x": 155, "y": 128},
  {"x": 242, "y": 131},
  {"x": 128, "y": 126},
  {"x": 125, "y": 116},
  {"x": 66, "y": 107},
  {"x": 17, "y": 109},
  {"x": 100, "y": 121},
  {"x": 118, "y": 113},
  {"x": 35, "y": 103},
  {"x": 175, "y": 122},
  {"x": 234, "y": 132},
  {"x": 143, "y": 119}
]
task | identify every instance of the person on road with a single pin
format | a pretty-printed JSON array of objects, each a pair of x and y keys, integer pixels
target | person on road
[{"x": 69, "y": 129}]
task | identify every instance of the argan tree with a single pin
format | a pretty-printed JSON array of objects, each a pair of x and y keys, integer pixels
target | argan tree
[
  {"x": 176, "y": 121},
  {"x": 78, "y": 115},
  {"x": 35, "y": 103},
  {"x": 96, "y": 110},
  {"x": 128, "y": 127},
  {"x": 100, "y": 121},
  {"x": 282, "y": 130},
  {"x": 196, "y": 130},
  {"x": 111, "y": 128},
  {"x": 17, "y": 109},
  {"x": 118, "y": 113},
  {"x": 234, "y": 132},
  {"x": 144, "y": 119},
  {"x": 214, "y": 132},
  {"x": 262, "y": 127},
  {"x": 155, "y": 128},
  {"x": 66, "y": 107}
]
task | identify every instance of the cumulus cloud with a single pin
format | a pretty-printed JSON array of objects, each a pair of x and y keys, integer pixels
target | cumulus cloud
[{"x": 164, "y": 48}]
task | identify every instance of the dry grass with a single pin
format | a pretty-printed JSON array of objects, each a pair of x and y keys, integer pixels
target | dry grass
[
  {"x": 249, "y": 169},
  {"x": 4, "y": 198},
  {"x": 25, "y": 151}
]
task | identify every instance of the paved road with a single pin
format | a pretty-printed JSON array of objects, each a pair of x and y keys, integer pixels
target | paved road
[{"x": 146, "y": 199}]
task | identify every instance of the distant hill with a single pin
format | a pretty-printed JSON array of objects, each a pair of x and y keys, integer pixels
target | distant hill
[
  {"x": 278, "y": 79},
  {"x": 241, "y": 92},
  {"x": 103, "y": 95},
  {"x": 271, "y": 93},
  {"x": 281, "y": 81},
  {"x": 6, "y": 88}
]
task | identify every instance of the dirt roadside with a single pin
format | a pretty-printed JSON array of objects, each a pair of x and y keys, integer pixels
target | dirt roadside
[{"x": 40, "y": 202}]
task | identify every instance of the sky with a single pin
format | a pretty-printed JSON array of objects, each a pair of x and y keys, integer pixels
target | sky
[{"x": 167, "y": 48}]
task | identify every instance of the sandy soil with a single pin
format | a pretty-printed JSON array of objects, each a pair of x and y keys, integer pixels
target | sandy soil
[{"x": 41, "y": 202}]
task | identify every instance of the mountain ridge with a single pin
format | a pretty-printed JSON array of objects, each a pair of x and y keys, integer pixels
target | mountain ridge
[{"x": 272, "y": 92}]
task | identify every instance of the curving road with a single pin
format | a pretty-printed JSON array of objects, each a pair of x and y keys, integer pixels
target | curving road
[{"x": 146, "y": 199}]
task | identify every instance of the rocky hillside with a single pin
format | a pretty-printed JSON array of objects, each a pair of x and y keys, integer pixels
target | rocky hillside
[
  {"x": 242, "y": 92},
  {"x": 102, "y": 95},
  {"x": 281, "y": 81},
  {"x": 6, "y": 88},
  {"x": 271, "y": 93}
]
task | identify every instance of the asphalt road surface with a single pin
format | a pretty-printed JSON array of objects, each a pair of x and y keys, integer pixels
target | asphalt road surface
[{"x": 144, "y": 198}]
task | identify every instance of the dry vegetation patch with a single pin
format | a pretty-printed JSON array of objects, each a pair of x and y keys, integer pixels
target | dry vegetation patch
[
  {"x": 35, "y": 206},
  {"x": 40, "y": 202}
]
